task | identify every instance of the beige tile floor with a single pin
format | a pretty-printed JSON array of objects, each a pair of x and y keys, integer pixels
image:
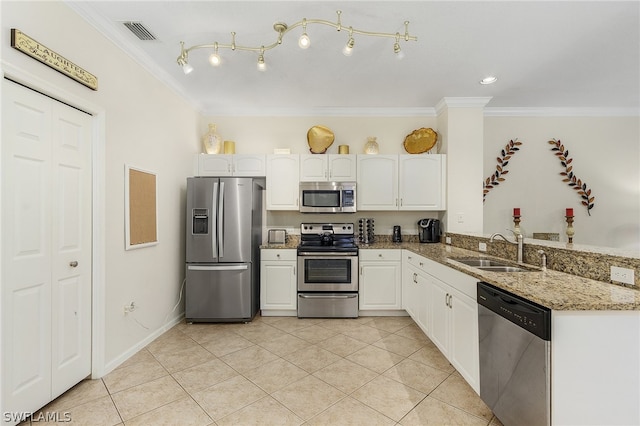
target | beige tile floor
[{"x": 281, "y": 371}]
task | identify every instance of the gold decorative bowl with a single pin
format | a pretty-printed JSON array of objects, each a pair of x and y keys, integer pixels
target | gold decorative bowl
[{"x": 420, "y": 140}]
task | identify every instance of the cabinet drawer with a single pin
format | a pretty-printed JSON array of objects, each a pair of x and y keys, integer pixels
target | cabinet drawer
[
  {"x": 383, "y": 254},
  {"x": 278, "y": 254},
  {"x": 416, "y": 260}
]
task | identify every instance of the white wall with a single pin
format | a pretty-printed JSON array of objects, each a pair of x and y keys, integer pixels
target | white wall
[
  {"x": 147, "y": 126},
  {"x": 262, "y": 134},
  {"x": 606, "y": 155}
]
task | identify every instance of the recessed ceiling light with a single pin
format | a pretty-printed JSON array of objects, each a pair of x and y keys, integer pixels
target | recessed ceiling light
[{"x": 489, "y": 80}]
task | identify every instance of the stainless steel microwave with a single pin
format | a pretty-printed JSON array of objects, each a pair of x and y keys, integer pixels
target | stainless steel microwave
[{"x": 327, "y": 197}]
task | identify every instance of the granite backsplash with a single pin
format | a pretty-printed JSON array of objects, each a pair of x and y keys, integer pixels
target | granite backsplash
[{"x": 596, "y": 266}]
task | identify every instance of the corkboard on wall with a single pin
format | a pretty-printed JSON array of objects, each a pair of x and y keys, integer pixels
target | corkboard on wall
[{"x": 140, "y": 208}]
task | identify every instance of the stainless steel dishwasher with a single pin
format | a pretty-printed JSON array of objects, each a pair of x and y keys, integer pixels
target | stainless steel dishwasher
[{"x": 515, "y": 353}]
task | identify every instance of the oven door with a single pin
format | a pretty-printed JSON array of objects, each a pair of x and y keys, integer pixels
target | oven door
[{"x": 330, "y": 272}]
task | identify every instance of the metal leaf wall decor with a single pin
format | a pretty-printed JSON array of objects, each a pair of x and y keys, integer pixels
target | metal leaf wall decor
[
  {"x": 569, "y": 177},
  {"x": 494, "y": 180}
]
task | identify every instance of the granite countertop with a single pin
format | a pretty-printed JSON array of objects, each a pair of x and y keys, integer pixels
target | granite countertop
[{"x": 556, "y": 290}]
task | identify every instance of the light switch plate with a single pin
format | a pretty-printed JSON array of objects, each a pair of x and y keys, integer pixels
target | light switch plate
[{"x": 622, "y": 275}]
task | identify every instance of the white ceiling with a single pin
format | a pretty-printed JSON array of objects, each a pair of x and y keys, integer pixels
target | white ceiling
[{"x": 546, "y": 54}]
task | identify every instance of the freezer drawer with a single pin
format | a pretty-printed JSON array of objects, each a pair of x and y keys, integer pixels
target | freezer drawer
[
  {"x": 327, "y": 305},
  {"x": 219, "y": 293}
]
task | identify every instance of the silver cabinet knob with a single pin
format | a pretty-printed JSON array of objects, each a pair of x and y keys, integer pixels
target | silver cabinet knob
[{"x": 73, "y": 263}]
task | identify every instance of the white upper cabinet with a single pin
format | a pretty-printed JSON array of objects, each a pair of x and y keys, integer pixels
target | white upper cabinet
[
  {"x": 283, "y": 182},
  {"x": 342, "y": 167},
  {"x": 401, "y": 182},
  {"x": 230, "y": 165},
  {"x": 377, "y": 182},
  {"x": 421, "y": 182},
  {"x": 327, "y": 167}
]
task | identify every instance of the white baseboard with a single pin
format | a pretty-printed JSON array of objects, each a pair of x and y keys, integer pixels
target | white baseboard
[{"x": 112, "y": 365}]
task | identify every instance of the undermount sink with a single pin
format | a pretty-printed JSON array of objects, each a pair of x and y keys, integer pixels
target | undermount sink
[
  {"x": 490, "y": 265},
  {"x": 480, "y": 263},
  {"x": 503, "y": 269}
]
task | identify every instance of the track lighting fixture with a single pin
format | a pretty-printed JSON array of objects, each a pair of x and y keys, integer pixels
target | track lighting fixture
[
  {"x": 214, "y": 59},
  {"x": 261, "y": 65},
  {"x": 304, "y": 42},
  {"x": 348, "y": 48}
]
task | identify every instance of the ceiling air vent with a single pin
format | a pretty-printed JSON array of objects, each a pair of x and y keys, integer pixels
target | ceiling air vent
[{"x": 139, "y": 30}]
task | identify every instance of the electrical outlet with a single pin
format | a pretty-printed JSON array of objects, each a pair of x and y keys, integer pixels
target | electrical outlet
[
  {"x": 622, "y": 275},
  {"x": 482, "y": 246},
  {"x": 447, "y": 240}
]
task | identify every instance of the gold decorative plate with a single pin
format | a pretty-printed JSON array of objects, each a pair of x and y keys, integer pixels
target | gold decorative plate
[
  {"x": 420, "y": 140},
  {"x": 319, "y": 138}
]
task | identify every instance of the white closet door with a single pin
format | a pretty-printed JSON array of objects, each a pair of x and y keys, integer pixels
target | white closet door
[
  {"x": 71, "y": 248},
  {"x": 46, "y": 221}
]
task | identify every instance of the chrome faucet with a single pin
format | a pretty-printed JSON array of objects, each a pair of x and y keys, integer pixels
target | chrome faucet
[
  {"x": 519, "y": 242},
  {"x": 543, "y": 259}
]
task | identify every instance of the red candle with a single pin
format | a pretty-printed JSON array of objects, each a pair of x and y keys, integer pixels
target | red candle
[
  {"x": 569, "y": 212},
  {"x": 516, "y": 211}
]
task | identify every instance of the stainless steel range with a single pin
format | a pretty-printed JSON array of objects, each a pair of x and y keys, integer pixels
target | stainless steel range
[{"x": 327, "y": 271}]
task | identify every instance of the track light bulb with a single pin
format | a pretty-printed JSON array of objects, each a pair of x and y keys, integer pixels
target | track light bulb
[
  {"x": 261, "y": 65},
  {"x": 348, "y": 48},
  {"x": 187, "y": 68},
  {"x": 214, "y": 59},
  {"x": 304, "y": 41},
  {"x": 396, "y": 49}
]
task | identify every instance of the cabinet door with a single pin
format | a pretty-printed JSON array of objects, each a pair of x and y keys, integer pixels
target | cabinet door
[
  {"x": 421, "y": 302},
  {"x": 313, "y": 168},
  {"x": 421, "y": 182},
  {"x": 249, "y": 165},
  {"x": 439, "y": 318},
  {"x": 463, "y": 343},
  {"x": 342, "y": 168},
  {"x": 380, "y": 286},
  {"x": 282, "y": 182},
  {"x": 278, "y": 285},
  {"x": 377, "y": 182},
  {"x": 215, "y": 165}
]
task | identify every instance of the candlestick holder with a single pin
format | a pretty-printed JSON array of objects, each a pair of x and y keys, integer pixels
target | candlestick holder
[
  {"x": 516, "y": 226},
  {"x": 570, "y": 230}
]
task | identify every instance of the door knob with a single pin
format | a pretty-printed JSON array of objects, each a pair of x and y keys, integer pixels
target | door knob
[{"x": 73, "y": 263}]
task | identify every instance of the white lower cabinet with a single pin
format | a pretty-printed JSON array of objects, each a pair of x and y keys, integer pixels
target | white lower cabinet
[
  {"x": 278, "y": 282},
  {"x": 442, "y": 302},
  {"x": 415, "y": 290},
  {"x": 380, "y": 284}
]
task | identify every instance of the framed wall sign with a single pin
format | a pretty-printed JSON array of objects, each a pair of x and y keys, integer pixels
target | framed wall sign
[{"x": 140, "y": 206}]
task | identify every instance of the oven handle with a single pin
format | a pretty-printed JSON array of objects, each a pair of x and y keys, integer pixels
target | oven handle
[
  {"x": 346, "y": 296},
  {"x": 327, "y": 253}
]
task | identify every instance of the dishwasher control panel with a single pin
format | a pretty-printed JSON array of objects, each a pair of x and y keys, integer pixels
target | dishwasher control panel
[{"x": 529, "y": 315}]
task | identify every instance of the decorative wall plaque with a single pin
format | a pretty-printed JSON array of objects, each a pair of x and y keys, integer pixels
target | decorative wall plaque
[{"x": 25, "y": 44}]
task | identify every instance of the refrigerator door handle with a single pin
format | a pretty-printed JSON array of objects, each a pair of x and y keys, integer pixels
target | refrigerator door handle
[
  {"x": 221, "y": 222},
  {"x": 218, "y": 267},
  {"x": 214, "y": 220}
]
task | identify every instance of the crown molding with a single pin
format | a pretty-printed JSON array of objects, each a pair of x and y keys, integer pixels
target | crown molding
[
  {"x": 561, "y": 112},
  {"x": 322, "y": 112}
]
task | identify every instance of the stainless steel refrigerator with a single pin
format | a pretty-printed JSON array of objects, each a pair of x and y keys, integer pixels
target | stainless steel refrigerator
[{"x": 223, "y": 237}]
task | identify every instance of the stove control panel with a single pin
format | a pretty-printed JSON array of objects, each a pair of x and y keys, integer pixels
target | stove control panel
[{"x": 322, "y": 228}]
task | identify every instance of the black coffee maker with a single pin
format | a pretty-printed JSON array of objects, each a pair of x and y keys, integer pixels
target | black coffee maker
[{"x": 429, "y": 230}]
